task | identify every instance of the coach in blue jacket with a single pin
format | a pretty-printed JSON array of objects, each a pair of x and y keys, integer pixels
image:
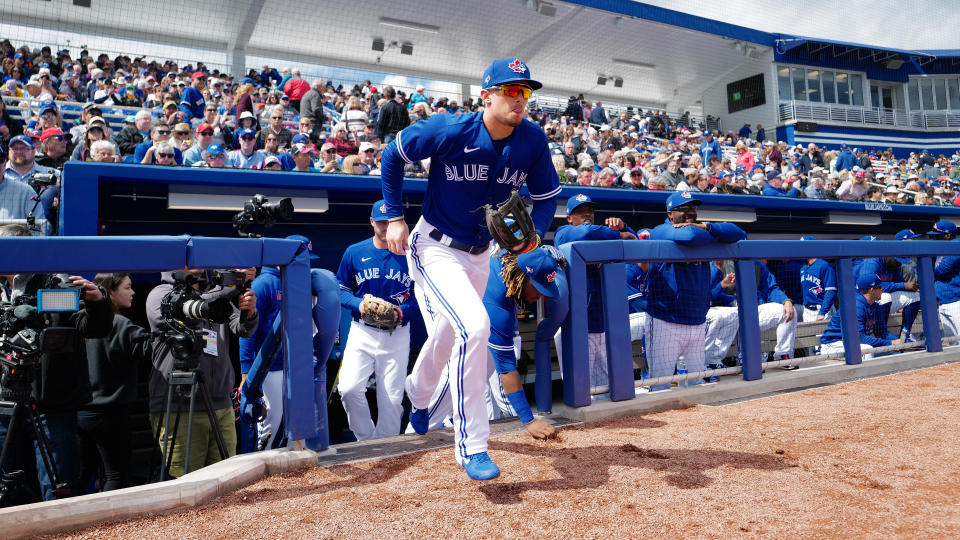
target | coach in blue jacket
[
  {"x": 871, "y": 326},
  {"x": 679, "y": 293}
]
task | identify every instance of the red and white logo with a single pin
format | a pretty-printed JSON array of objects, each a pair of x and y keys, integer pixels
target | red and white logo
[
  {"x": 551, "y": 276},
  {"x": 581, "y": 197},
  {"x": 485, "y": 81},
  {"x": 685, "y": 194},
  {"x": 517, "y": 66},
  {"x": 383, "y": 208}
]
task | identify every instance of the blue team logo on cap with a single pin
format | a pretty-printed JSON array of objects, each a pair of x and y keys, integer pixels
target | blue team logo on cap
[{"x": 517, "y": 66}]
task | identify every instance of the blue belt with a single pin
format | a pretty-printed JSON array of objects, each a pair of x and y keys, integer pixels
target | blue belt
[{"x": 456, "y": 244}]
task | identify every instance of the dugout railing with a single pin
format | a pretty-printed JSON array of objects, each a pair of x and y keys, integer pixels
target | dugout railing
[
  {"x": 577, "y": 391},
  {"x": 305, "y": 403}
]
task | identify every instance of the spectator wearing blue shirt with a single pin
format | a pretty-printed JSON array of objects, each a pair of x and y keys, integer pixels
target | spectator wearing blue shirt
[
  {"x": 247, "y": 157},
  {"x": 191, "y": 99},
  {"x": 160, "y": 132},
  {"x": 745, "y": 131},
  {"x": 872, "y": 329},
  {"x": 846, "y": 161},
  {"x": 16, "y": 197},
  {"x": 710, "y": 147},
  {"x": 774, "y": 186},
  {"x": 598, "y": 115}
]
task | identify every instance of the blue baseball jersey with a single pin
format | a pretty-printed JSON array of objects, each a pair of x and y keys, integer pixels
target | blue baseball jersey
[
  {"x": 819, "y": 284},
  {"x": 890, "y": 280},
  {"x": 365, "y": 269},
  {"x": 268, "y": 288},
  {"x": 872, "y": 328},
  {"x": 946, "y": 271},
  {"x": 569, "y": 233},
  {"x": 468, "y": 169},
  {"x": 680, "y": 292},
  {"x": 636, "y": 288}
]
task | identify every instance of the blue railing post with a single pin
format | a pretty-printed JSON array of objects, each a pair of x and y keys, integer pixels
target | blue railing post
[
  {"x": 301, "y": 419},
  {"x": 575, "y": 365},
  {"x": 749, "y": 319},
  {"x": 847, "y": 293},
  {"x": 929, "y": 308},
  {"x": 616, "y": 318}
]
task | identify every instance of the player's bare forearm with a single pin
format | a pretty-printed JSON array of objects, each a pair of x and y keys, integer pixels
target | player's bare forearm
[{"x": 397, "y": 234}]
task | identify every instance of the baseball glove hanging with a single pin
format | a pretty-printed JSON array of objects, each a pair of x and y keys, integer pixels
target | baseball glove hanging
[
  {"x": 379, "y": 313},
  {"x": 520, "y": 234}
]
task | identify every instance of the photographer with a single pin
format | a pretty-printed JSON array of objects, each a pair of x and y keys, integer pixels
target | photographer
[
  {"x": 61, "y": 384},
  {"x": 213, "y": 364},
  {"x": 104, "y": 423}
]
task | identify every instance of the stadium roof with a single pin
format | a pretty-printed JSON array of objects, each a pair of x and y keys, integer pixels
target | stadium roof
[{"x": 664, "y": 57}]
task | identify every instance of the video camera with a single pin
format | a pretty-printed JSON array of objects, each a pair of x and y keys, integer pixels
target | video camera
[
  {"x": 25, "y": 337},
  {"x": 260, "y": 211},
  {"x": 185, "y": 303},
  {"x": 40, "y": 181}
]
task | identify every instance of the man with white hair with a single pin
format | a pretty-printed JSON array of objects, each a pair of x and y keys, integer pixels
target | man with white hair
[{"x": 131, "y": 136}]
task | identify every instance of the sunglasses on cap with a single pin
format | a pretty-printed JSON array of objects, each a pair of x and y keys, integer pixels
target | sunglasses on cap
[{"x": 513, "y": 90}]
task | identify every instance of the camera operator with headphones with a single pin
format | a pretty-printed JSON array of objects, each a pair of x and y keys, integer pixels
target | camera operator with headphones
[
  {"x": 60, "y": 386},
  {"x": 213, "y": 365}
]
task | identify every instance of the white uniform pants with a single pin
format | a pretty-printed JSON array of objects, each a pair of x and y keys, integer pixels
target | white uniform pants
[
  {"x": 371, "y": 351},
  {"x": 449, "y": 289},
  {"x": 596, "y": 356},
  {"x": 723, "y": 323},
  {"x": 638, "y": 325},
  {"x": 837, "y": 347},
  {"x": 668, "y": 341},
  {"x": 899, "y": 299},
  {"x": 272, "y": 390},
  {"x": 771, "y": 314},
  {"x": 950, "y": 317},
  {"x": 811, "y": 314}
]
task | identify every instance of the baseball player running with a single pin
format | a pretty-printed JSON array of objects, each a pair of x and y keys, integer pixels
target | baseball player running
[
  {"x": 368, "y": 268},
  {"x": 476, "y": 159}
]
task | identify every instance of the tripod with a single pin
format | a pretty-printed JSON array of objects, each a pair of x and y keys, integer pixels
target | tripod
[
  {"x": 14, "y": 481},
  {"x": 193, "y": 380}
]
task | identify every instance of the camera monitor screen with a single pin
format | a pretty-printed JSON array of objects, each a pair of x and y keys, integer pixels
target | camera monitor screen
[{"x": 58, "y": 300}]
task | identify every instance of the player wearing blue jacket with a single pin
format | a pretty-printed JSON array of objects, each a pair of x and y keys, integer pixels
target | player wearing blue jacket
[
  {"x": 679, "y": 293},
  {"x": 818, "y": 283},
  {"x": 871, "y": 326},
  {"x": 947, "y": 284},
  {"x": 367, "y": 267},
  {"x": 580, "y": 216},
  {"x": 476, "y": 159}
]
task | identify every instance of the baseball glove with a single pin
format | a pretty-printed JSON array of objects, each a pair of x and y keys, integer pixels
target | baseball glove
[
  {"x": 378, "y": 312},
  {"x": 518, "y": 236}
]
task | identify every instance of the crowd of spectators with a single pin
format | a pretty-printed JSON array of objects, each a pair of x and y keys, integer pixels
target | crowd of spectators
[{"x": 276, "y": 120}]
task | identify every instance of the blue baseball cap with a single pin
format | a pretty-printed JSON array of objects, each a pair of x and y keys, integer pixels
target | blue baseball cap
[
  {"x": 682, "y": 198},
  {"x": 808, "y": 237},
  {"x": 245, "y": 131},
  {"x": 300, "y": 138},
  {"x": 579, "y": 200},
  {"x": 943, "y": 227},
  {"x": 541, "y": 267},
  {"x": 867, "y": 281},
  {"x": 508, "y": 70},
  {"x": 773, "y": 174},
  {"x": 21, "y": 138},
  {"x": 868, "y": 238},
  {"x": 379, "y": 211},
  {"x": 305, "y": 240},
  {"x": 48, "y": 105},
  {"x": 707, "y": 133},
  {"x": 215, "y": 150},
  {"x": 906, "y": 234}
]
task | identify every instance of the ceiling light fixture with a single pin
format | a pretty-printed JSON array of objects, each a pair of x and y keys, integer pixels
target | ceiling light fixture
[
  {"x": 633, "y": 63},
  {"x": 410, "y": 25}
]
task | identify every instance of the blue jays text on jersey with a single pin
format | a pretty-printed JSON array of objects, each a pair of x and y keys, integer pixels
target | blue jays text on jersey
[
  {"x": 366, "y": 269},
  {"x": 468, "y": 169},
  {"x": 818, "y": 282}
]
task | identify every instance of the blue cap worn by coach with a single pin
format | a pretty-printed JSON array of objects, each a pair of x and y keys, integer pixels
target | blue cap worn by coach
[
  {"x": 867, "y": 281},
  {"x": 906, "y": 234},
  {"x": 306, "y": 241},
  {"x": 379, "y": 211},
  {"x": 943, "y": 227},
  {"x": 541, "y": 267},
  {"x": 506, "y": 71},
  {"x": 682, "y": 198},
  {"x": 579, "y": 200}
]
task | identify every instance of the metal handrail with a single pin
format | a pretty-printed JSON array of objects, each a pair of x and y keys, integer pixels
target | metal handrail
[{"x": 854, "y": 114}]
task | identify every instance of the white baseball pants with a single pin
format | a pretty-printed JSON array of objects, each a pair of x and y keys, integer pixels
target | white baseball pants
[
  {"x": 723, "y": 323},
  {"x": 667, "y": 341}
]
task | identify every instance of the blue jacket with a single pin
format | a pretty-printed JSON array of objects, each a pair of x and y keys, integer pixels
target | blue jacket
[
  {"x": 946, "y": 271},
  {"x": 890, "y": 280},
  {"x": 819, "y": 284},
  {"x": 768, "y": 291},
  {"x": 718, "y": 295},
  {"x": 774, "y": 192},
  {"x": 191, "y": 103},
  {"x": 680, "y": 292},
  {"x": 267, "y": 287},
  {"x": 569, "y": 233},
  {"x": 787, "y": 274},
  {"x": 846, "y": 160},
  {"x": 636, "y": 288},
  {"x": 872, "y": 327},
  {"x": 710, "y": 149}
]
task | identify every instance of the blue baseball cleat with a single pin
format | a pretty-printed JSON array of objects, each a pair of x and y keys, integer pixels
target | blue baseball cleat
[
  {"x": 420, "y": 420},
  {"x": 479, "y": 466}
]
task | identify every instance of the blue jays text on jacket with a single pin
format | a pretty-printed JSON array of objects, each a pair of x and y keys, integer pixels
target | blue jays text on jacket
[
  {"x": 872, "y": 327},
  {"x": 680, "y": 292},
  {"x": 588, "y": 231},
  {"x": 946, "y": 271},
  {"x": 636, "y": 288},
  {"x": 890, "y": 280},
  {"x": 468, "y": 169},
  {"x": 366, "y": 269},
  {"x": 819, "y": 284},
  {"x": 268, "y": 288}
]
